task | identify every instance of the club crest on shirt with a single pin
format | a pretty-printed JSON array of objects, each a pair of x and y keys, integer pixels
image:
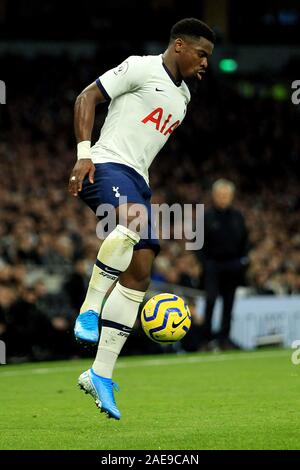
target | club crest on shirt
[{"x": 122, "y": 68}]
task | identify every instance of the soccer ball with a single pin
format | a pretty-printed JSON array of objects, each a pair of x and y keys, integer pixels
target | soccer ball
[{"x": 166, "y": 318}]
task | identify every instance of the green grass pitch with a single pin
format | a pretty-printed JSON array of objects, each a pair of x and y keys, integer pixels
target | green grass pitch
[{"x": 239, "y": 400}]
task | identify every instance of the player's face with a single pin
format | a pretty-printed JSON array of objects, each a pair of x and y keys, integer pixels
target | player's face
[{"x": 192, "y": 56}]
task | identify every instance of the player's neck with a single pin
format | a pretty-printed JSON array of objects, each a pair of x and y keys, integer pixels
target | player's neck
[{"x": 170, "y": 63}]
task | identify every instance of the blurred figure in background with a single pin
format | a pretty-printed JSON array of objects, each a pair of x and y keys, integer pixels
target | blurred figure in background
[
  {"x": 190, "y": 342},
  {"x": 224, "y": 257}
]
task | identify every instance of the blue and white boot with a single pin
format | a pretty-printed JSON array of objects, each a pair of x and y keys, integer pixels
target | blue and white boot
[
  {"x": 86, "y": 328},
  {"x": 102, "y": 390}
]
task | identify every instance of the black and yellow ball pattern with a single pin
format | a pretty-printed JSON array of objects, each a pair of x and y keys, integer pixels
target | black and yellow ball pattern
[{"x": 166, "y": 318}]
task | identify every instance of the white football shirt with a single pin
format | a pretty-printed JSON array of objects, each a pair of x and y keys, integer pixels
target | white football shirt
[{"x": 146, "y": 106}]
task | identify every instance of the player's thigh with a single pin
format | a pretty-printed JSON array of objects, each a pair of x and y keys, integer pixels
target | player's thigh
[
  {"x": 133, "y": 215},
  {"x": 137, "y": 275}
]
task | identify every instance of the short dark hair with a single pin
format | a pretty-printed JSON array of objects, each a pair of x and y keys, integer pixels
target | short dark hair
[{"x": 193, "y": 28}]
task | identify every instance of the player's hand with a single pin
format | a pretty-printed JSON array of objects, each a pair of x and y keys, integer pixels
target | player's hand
[{"x": 83, "y": 167}]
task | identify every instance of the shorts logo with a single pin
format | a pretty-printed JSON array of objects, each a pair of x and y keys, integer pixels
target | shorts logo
[{"x": 116, "y": 190}]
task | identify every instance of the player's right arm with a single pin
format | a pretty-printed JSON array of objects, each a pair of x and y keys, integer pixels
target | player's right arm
[
  {"x": 84, "y": 116},
  {"x": 128, "y": 76}
]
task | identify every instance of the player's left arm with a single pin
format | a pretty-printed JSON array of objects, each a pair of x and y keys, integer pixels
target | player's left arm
[{"x": 84, "y": 117}]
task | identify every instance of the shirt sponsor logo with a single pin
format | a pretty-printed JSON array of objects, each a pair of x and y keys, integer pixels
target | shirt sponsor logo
[{"x": 161, "y": 124}]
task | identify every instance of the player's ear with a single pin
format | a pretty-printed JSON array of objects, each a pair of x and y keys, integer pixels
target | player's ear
[{"x": 178, "y": 45}]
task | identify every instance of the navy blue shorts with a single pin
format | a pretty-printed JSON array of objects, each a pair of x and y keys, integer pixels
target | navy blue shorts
[{"x": 113, "y": 180}]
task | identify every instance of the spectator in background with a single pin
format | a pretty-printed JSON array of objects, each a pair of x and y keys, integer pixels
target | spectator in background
[
  {"x": 27, "y": 330},
  {"x": 224, "y": 257},
  {"x": 190, "y": 341},
  {"x": 7, "y": 300},
  {"x": 75, "y": 286}
]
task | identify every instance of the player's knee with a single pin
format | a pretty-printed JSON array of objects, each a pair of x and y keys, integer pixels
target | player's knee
[
  {"x": 131, "y": 294},
  {"x": 139, "y": 281},
  {"x": 138, "y": 274}
]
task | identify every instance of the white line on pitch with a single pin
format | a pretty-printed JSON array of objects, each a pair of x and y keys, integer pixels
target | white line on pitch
[{"x": 153, "y": 362}]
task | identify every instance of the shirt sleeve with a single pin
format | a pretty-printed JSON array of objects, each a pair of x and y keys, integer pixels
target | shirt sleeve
[{"x": 128, "y": 76}]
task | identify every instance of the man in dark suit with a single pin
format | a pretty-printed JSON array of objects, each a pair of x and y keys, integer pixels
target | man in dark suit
[{"x": 224, "y": 257}]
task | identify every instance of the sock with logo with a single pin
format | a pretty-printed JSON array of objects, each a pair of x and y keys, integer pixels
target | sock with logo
[
  {"x": 114, "y": 257},
  {"x": 118, "y": 317}
]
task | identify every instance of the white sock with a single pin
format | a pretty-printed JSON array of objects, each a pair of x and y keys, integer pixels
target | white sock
[
  {"x": 118, "y": 317},
  {"x": 114, "y": 257}
]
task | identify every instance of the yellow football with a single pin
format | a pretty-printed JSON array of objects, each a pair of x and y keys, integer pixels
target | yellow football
[{"x": 166, "y": 318}]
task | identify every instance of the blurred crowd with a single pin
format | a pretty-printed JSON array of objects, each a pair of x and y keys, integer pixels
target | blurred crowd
[{"x": 48, "y": 241}]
